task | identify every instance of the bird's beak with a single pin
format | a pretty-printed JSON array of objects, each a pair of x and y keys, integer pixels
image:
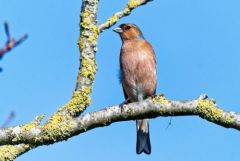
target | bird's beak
[{"x": 118, "y": 30}]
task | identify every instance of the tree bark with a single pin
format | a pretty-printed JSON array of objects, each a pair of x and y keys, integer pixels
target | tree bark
[{"x": 89, "y": 32}]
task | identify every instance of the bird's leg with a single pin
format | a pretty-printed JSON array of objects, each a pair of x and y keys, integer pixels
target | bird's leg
[{"x": 124, "y": 103}]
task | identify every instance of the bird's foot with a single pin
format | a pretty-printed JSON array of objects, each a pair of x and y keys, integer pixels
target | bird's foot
[{"x": 124, "y": 103}]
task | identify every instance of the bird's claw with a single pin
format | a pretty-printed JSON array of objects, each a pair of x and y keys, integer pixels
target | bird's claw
[{"x": 124, "y": 103}]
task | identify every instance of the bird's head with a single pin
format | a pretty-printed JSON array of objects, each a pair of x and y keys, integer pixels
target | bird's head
[{"x": 129, "y": 31}]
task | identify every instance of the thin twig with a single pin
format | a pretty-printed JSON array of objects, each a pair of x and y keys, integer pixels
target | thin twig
[
  {"x": 8, "y": 120},
  {"x": 11, "y": 42},
  {"x": 169, "y": 123}
]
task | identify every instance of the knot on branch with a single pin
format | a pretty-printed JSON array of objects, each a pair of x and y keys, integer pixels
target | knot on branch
[{"x": 203, "y": 97}]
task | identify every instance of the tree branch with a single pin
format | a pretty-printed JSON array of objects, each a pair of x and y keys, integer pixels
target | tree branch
[
  {"x": 89, "y": 32},
  {"x": 151, "y": 108},
  {"x": 132, "y": 4},
  {"x": 81, "y": 96},
  {"x": 10, "y": 152},
  {"x": 87, "y": 44},
  {"x": 11, "y": 42},
  {"x": 65, "y": 123}
]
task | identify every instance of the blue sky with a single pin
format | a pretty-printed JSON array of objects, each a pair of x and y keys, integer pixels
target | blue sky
[{"x": 197, "y": 48}]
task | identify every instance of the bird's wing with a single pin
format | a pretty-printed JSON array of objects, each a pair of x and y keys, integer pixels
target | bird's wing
[{"x": 124, "y": 92}]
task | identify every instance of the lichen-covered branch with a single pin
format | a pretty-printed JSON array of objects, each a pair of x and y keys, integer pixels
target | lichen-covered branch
[
  {"x": 10, "y": 152},
  {"x": 65, "y": 123},
  {"x": 132, "y": 4},
  {"x": 81, "y": 96},
  {"x": 87, "y": 45},
  {"x": 53, "y": 132},
  {"x": 151, "y": 108}
]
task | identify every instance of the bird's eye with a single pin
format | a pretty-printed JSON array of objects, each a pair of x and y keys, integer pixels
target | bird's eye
[{"x": 127, "y": 27}]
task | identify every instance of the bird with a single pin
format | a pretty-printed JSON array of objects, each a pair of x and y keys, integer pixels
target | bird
[{"x": 138, "y": 75}]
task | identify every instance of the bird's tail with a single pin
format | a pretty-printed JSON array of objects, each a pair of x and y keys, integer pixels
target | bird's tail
[{"x": 143, "y": 139}]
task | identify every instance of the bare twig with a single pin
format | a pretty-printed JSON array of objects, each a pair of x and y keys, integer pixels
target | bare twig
[
  {"x": 169, "y": 123},
  {"x": 8, "y": 120},
  {"x": 11, "y": 42}
]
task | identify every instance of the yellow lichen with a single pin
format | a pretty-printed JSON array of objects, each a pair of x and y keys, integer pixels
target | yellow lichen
[
  {"x": 55, "y": 127},
  {"x": 10, "y": 152},
  {"x": 208, "y": 110},
  {"x": 57, "y": 117},
  {"x": 127, "y": 11},
  {"x": 85, "y": 22},
  {"x": 88, "y": 68},
  {"x": 53, "y": 130},
  {"x": 92, "y": 39},
  {"x": 85, "y": 18},
  {"x": 87, "y": 25},
  {"x": 25, "y": 128},
  {"x": 160, "y": 99},
  {"x": 113, "y": 19},
  {"x": 81, "y": 43},
  {"x": 80, "y": 100},
  {"x": 229, "y": 120},
  {"x": 32, "y": 124},
  {"x": 94, "y": 29},
  {"x": 85, "y": 14},
  {"x": 133, "y": 4}
]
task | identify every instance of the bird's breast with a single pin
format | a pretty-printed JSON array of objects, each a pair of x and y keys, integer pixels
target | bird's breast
[{"x": 138, "y": 70}]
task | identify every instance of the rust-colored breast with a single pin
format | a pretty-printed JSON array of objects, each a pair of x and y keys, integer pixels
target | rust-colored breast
[{"x": 138, "y": 69}]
